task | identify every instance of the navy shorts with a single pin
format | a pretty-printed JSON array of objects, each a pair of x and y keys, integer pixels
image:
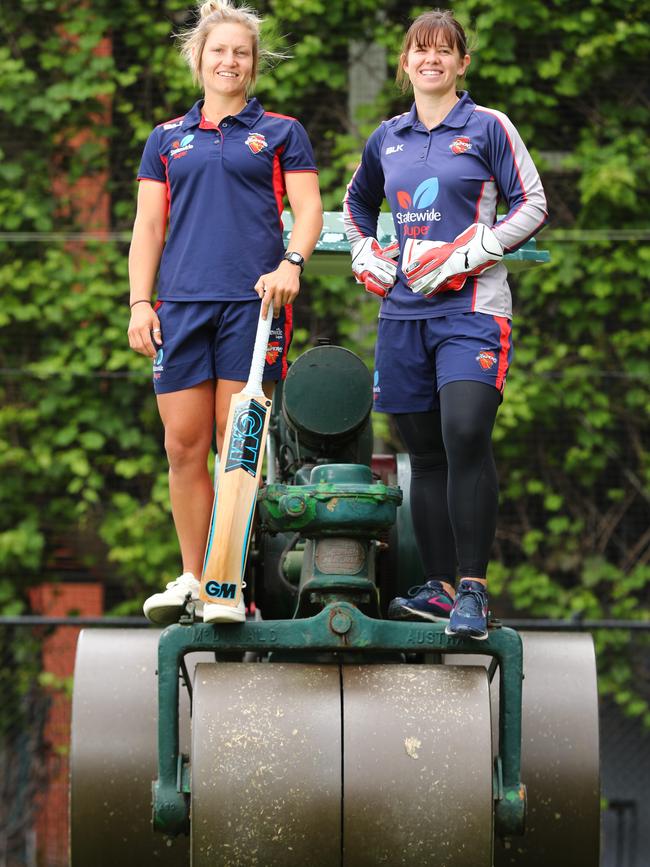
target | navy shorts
[
  {"x": 214, "y": 340},
  {"x": 414, "y": 358}
]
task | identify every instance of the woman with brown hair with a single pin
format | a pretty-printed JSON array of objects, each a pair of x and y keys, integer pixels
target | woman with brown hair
[{"x": 444, "y": 340}]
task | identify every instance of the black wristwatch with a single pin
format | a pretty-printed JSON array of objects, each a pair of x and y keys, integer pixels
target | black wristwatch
[{"x": 295, "y": 259}]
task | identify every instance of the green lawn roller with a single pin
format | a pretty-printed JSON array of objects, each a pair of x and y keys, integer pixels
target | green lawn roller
[{"x": 318, "y": 733}]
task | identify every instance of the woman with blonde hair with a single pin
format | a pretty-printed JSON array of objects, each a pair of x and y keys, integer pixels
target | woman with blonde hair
[{"x": 208, "y": 222}]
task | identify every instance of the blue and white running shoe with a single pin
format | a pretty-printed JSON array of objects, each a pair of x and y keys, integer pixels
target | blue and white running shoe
[
  {"x": 428, "y": 601},
  {"x": 470, "y": 612}
]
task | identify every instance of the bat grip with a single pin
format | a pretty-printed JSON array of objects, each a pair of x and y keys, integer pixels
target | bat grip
[{"x": 254, "y": 384}]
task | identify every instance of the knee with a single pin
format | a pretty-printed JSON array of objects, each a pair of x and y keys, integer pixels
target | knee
[
  {"x": 429, "y": 462},
  {"x": 186, "y": 449},
  {"x": 466, "y": 439}
]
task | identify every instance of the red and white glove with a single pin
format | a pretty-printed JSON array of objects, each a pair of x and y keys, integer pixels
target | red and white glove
[
  {"x": 431, "y": 267},
  {"x": 374, "y": 266}
]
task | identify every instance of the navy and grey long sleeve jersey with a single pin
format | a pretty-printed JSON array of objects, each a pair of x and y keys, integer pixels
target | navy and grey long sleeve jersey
[{"x": 437, "y": 183}]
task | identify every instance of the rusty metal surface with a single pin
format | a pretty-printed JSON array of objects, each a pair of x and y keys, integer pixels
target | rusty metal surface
[
  {"x": 417, "y": 766},
  {"x": 266, "y": 766},
  {"x": 113, "y": 752}
]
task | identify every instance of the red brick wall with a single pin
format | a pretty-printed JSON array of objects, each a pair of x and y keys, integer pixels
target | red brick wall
[{"x": 58, "y": 655}]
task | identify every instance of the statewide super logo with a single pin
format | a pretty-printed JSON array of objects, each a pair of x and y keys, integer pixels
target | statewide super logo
[
  {"x": 460, "y": 145},
  {"x": 245, "y": 438},
  {"x": 180, "y": 148},
  {"x": 416, "y": 210},
  {"x": 486, "y": 358},
  {"x": 376, "y": 388},
  {"x": 256, "y": 142},
  {"x": 158, "y": 364},
  {"x": 274, "y": 346}
]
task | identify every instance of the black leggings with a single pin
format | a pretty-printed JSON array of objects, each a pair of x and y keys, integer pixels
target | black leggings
[{"x": 454, "y": 488}]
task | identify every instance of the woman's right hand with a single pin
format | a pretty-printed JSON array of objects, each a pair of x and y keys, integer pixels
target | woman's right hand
[{"x": 143, "y": 327}]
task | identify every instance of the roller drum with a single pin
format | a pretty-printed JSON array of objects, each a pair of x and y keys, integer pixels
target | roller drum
[
  {"x": 559, "y": 751},
  {"x": 266, "y": 766},
  {"x": 355, "y": 766},
  {"x": 113, "y": 758},
  {"x": 417, "y": 767},
  {"x": 560, "y": 754}
]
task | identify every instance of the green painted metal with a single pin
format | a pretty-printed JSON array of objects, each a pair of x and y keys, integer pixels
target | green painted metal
[
  {"x": 330, "y": 506},
  {"x": 342, "y": 630},
  {"x": 333, "y": 243},
  {"x": 327, "y": 394}
]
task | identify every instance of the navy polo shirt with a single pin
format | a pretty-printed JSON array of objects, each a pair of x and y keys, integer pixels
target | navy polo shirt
[
  {"x": 437, "y": 183},
  {"x": 225, "y": 191}
]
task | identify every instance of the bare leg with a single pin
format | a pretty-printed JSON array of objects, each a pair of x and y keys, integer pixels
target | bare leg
[{"x": 188, "y": 417}]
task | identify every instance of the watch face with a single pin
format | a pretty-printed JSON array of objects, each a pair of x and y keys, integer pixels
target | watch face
[{"x": 296, "y": 258}]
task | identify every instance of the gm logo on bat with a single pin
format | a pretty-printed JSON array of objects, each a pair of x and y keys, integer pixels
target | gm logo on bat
[
  {"x": 245, "y": 439},
  {"x": 220, "y": 591}
]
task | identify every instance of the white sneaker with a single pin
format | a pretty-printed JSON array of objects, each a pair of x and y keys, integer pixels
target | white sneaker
[
  {"x": 165, "y": 608},
  {"x": 214, "y": 612}
]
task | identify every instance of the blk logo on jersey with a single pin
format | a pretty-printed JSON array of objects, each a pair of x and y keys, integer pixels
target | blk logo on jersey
[
  {"x": 256, "y": 142},
  {"x": 394, "y": 149},
  {"x": 461, "y": 145},
  {"x": 417, "y": 210},
  {"x": 180, "y": 148},
  {"x": 487, "y": 359},
  {"x": 245, "y": 439}
]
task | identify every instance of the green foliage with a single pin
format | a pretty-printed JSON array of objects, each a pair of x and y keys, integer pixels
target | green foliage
[{"x": 81, "y": 458}]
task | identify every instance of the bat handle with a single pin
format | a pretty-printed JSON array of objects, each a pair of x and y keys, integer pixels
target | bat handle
[{"x": 254, "y": 384}]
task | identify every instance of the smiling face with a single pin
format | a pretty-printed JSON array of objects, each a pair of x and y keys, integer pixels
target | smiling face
[
  {"x": 228, "y": 62},
  {"x": 433, "y": 69}
]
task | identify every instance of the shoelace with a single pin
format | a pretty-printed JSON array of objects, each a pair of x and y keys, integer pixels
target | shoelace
[
  {"x": 433, "y": 586},
  {"x": 467, "y": 599}
]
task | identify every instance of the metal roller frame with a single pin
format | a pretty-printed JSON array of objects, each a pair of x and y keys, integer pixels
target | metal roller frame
[
  {"x": 560, "y": 752},
  {"x": 296, "y": 764},
  {"x": 113, "y": 756}
]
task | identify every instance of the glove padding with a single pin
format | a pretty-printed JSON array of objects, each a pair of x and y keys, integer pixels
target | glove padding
[
  {"x": 431, "y": 267},
  {"x": 374, "y": 266}
]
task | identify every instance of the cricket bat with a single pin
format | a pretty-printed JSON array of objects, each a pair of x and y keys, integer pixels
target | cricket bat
[{"x": 240, "y": 466}]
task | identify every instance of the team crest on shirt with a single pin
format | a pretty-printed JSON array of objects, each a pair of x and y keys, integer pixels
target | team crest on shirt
[
  {"x": 256, "y": 142},
  {"x": 486, "y": 358},
  {"x": 461, "y": 144}
]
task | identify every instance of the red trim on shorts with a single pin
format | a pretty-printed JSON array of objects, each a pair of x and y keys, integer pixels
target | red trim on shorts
[
  {"x": 288, "y": 331},
  {"x": 505, "y": 330},
  {"x": 157, "y": 306},
  {"x": 279, "y": 187}
]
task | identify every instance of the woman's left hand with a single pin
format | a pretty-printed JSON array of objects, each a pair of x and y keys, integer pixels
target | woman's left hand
[{"x": 278, "y": 287}]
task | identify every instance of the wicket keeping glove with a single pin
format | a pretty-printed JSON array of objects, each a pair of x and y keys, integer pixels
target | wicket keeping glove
[
  {"x": 431, "y": 267},
  {"x": 374, "y": 266}
]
